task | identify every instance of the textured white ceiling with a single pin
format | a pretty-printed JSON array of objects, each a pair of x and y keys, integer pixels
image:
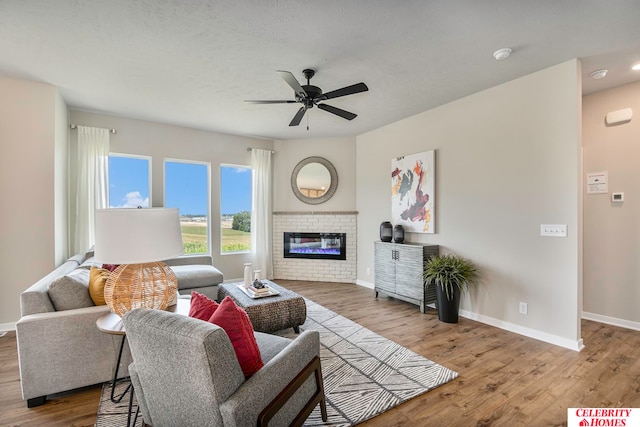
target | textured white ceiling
[{"x": 192, "y": 63}]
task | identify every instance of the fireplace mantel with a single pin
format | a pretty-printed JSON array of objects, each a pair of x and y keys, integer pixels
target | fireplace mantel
[{"x": 315, "y": 213}]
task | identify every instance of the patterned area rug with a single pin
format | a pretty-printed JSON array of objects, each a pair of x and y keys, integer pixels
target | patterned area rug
[
  {"x": 364, "y": 373},
  {"x": 115, "y": 414}
]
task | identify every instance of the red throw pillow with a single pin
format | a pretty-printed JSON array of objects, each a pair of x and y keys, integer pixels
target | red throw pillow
[
  {"x": 110, "y": 267},
  {"x": 202, "y": 307},
  {"x": 237, "y": 325}
]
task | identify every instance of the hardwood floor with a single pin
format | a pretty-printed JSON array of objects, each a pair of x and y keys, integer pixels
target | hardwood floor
[{"x": 505, "y": 379}]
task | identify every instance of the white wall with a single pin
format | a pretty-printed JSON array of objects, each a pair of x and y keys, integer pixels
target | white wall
[
  {"x": 61, "y": 183},
  {"x": 507, "y": 160},
  {"x": 612, "y": 230},
  {"x": 29, "y": 138},
  {"x": 341, "y": 152},
  {"x": 162, "y": 141}
]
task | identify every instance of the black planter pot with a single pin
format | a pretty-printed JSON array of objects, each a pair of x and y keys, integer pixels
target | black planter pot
[{"x": 448, "y": 310}]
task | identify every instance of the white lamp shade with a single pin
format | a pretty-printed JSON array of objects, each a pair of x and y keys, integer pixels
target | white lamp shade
[{"x": 135, "y": 236}]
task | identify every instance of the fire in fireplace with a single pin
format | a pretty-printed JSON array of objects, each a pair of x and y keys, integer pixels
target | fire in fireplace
[{"x": 315, "y": 245}]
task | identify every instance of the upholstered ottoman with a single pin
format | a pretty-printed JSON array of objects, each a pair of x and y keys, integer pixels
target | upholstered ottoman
[{"x": 272, "y": 313}]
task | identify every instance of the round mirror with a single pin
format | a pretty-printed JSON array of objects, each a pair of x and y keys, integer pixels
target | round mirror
[{"x": 314, "y": 180}]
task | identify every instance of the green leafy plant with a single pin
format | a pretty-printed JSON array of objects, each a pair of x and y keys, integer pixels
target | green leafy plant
[
  {"x": 450, "y": 271},
  {"x": 242, "y": 221}
]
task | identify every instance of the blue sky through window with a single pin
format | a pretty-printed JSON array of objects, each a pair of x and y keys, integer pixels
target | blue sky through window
[
  {"x": 235, "y": 189},
  {"x": 128, "y": 182},
  {"x": 186, "y": 187}
]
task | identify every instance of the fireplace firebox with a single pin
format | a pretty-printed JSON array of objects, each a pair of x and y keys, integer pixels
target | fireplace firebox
[{"x": 315, "y": 245}]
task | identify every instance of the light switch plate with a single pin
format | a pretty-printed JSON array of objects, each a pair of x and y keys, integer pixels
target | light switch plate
[{"x": 553, "y": 230}]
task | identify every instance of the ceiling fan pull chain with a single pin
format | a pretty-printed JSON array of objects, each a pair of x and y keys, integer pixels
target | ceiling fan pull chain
[{"x": 308, "y": 121}]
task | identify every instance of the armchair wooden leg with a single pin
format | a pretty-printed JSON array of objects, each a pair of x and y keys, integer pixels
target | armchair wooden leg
[{"x": 318, "y": 397}]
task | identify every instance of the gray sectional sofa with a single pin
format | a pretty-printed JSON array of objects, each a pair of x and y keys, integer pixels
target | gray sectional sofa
[{"x": 59, "y": 346}]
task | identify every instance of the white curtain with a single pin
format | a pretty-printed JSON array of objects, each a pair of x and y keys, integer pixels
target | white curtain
[
  {"x": 92, "y": 184},
  {"x": 261, "y": 258}
]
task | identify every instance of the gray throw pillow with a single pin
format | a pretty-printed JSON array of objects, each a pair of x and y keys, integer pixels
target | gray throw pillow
[{"x": 71, "y": 291}]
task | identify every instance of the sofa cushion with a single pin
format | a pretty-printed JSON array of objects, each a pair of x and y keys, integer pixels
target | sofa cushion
[
  {"x": 237, "y": 325},
  {"x": 202, "y": 307},
  {"x": 88, "y": 263},
  {"x": 71, "y": 291},
  {"x": 197, "y": 276},
  {"x": 97, "y": 279}
]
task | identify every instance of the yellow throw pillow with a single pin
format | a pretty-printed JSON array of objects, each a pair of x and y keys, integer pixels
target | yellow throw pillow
[{"x": 97, "y": 279}]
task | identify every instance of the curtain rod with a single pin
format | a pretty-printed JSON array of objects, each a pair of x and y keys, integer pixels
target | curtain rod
[
  {"x": 272, "y": 151},
  {"x": 74, "y": 126}
]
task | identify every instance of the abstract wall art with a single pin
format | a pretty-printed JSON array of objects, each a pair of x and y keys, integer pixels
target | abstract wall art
[{"x": 413, "y": 192}]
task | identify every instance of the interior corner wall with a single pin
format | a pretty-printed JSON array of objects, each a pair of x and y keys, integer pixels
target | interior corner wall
[
  {"x": 27, "y": 189},
  {"x": 61, "y": 181},
  {"x": 341, "y": 152},
  {"x": 163, "y": 141},
  {"x": 612, "y": 229},
  {"x": 507, "y": 161}
]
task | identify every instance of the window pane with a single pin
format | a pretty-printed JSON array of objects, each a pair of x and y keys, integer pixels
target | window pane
[
  {"x": 128, "y": 181},
  {"x": 235, "y": 209},
  {"x": 186, "y": 187}
]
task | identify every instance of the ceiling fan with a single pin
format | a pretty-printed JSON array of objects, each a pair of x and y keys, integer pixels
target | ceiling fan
[{"x": 309, "y": 95}]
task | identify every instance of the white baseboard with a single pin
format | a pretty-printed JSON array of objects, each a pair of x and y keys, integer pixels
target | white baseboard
[
  {"x": 6, "y": 327},
  {"x": 527, "y": 332},
  {"x": 364, "y": 284},
  {"x": 511, "y": 327},
  {"x": 611, "y": 321}
]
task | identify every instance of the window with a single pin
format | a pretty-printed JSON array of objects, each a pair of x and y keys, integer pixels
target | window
[
  {"x": 129, "y": 181},
  {"x": 235, "y": 209},
  {"x": 186, "y": 187}
]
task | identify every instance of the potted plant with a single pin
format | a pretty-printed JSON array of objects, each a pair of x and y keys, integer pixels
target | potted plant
[{"x": 451, "y": 275}]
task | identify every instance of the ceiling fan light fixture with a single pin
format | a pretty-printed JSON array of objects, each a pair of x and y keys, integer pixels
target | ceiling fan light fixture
[
  {"x": 502, "y": 54},
  {"x": 310, "y": 96},
  {"x": 636, "y": 67},
  {"x": 599, "y": 74}
]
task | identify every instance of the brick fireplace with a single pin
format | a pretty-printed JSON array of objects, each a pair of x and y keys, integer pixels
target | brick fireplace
[{"x": 315, "y": 268}]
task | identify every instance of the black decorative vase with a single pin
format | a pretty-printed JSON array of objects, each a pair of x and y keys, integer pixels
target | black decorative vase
[
  {"x": 386, "y": 231},
  {"x": 398, "y": 234},
  {"x": 448, "y": 310}
]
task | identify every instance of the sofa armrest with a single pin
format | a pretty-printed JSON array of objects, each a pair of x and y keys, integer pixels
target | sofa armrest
[
  {"x": 244, "y": 406},
  {"x": 63, "y": 350}
]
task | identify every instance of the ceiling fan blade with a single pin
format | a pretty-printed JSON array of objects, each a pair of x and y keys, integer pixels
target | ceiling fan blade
[
  {"x": 291, "y": 81},
  {"x": 337, "y": 111},
  {"x": 348, "y": 90},
  {"x": 298, "y": 117},
  {"x": 270, "y": 102}
]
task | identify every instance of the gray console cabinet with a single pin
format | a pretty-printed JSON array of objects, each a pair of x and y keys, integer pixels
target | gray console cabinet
[{"x": 398, "y": 271}]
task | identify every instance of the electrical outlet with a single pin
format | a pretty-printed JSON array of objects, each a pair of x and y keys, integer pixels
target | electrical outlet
[
  {"x": 524, "y": 308},
  {"x": 553, "y": 230},
  {"x": 368, "y": 271}
]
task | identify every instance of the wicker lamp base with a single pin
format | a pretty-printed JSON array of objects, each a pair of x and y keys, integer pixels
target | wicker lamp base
[{"x": 148, "y": 285}]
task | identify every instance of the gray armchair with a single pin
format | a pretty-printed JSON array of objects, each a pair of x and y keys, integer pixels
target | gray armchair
[{"x": 185, "y": 372}]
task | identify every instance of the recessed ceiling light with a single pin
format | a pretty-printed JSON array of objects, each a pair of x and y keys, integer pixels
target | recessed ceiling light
[
  {"x": 599, "y": 74},
  {"x": 501, "y": 54},
  {"x": 636, "y": 67}
]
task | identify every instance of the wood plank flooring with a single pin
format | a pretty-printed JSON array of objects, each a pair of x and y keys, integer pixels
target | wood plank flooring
[{"x": 505, "y": 379}]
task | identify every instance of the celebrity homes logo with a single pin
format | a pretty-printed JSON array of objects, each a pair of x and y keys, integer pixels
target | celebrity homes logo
[{"x": 603, "y": 417}]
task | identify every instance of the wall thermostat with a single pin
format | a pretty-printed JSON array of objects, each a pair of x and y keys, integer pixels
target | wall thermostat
[{"x": 617, "y": 197}]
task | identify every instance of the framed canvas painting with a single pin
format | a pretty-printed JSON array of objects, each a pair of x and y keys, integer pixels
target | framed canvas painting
[{"x": 412, "y": 192}]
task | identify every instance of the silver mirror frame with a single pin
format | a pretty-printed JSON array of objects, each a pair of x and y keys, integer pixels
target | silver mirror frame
[{"x": 332, "y": 187}]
